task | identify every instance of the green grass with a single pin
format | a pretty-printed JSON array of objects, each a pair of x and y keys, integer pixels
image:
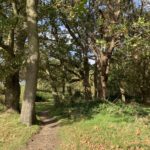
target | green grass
[
  {"x": 43, "y": 106},
  {"x": 84, "y": 126},
  {"x": 14, "y": 135},
  {"x": 110, "y": 127},
  {"x": 43, "y": 96}
]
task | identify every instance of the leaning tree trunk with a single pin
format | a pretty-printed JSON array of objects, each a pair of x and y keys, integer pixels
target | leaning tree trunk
[
  {"x": 12, "y": 92},
  {"x": 28, "y": 111}
]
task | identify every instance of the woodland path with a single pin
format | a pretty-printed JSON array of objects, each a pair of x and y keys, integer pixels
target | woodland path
[{"x": 47, "y": 138}]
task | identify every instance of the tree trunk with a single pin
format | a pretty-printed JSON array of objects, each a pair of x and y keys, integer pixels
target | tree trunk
[
  {"x": 95, "y": 81},
  {"x": 103, "y": 69},
  {"x": 15, "y": 49},
  {"x": 12, "y": 92},
  {"x": 86, "y": 84},
  {"x": 122, "y": 91},
  {"x": 104, "y": 73},
  {"x": 99, "y": 83},
  {"x": 28, "y": 111}
]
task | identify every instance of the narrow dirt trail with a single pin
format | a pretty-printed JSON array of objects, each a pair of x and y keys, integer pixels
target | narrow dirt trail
[{"x": 47, "y": 138}]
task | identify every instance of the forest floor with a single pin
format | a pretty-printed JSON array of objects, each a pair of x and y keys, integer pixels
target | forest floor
[
  {"x": 79, "y": 126},
  {"x": 47, "y": 138},
  {"x": 92, "y": 126}
]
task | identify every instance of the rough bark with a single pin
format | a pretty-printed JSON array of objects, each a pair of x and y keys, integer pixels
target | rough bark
[
  {"x": 104, "y": 75},
  {"x": 28, "y": 111},
  {"x": 12, "y": 92},
  {"x": 103, "y": 69}
]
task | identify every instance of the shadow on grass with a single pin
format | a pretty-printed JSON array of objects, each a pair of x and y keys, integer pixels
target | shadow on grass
[
  {"x": 69, "y": 113},
  {"x": 86, "y": 110}
]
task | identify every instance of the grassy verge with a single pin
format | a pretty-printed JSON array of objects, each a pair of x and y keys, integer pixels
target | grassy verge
[
  {"x": 108, "y": 127},
  {"x": 14, "y": 135}
]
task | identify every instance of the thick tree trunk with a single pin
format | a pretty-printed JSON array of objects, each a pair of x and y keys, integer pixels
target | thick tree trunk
[
  {"x": 15, "y": 49},
  {"x": 103, "y": 68},
  {"x": 28, "y": 111},
  {"x": 86, "y": 84},
  {"x": 12, "y": 92}
]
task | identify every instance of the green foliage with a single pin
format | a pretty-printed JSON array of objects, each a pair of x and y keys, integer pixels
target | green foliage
[
  {"x": 43, "y": 96},
  {"x": 130, "y": 63},
  {"x": 43, "y": 106}
]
